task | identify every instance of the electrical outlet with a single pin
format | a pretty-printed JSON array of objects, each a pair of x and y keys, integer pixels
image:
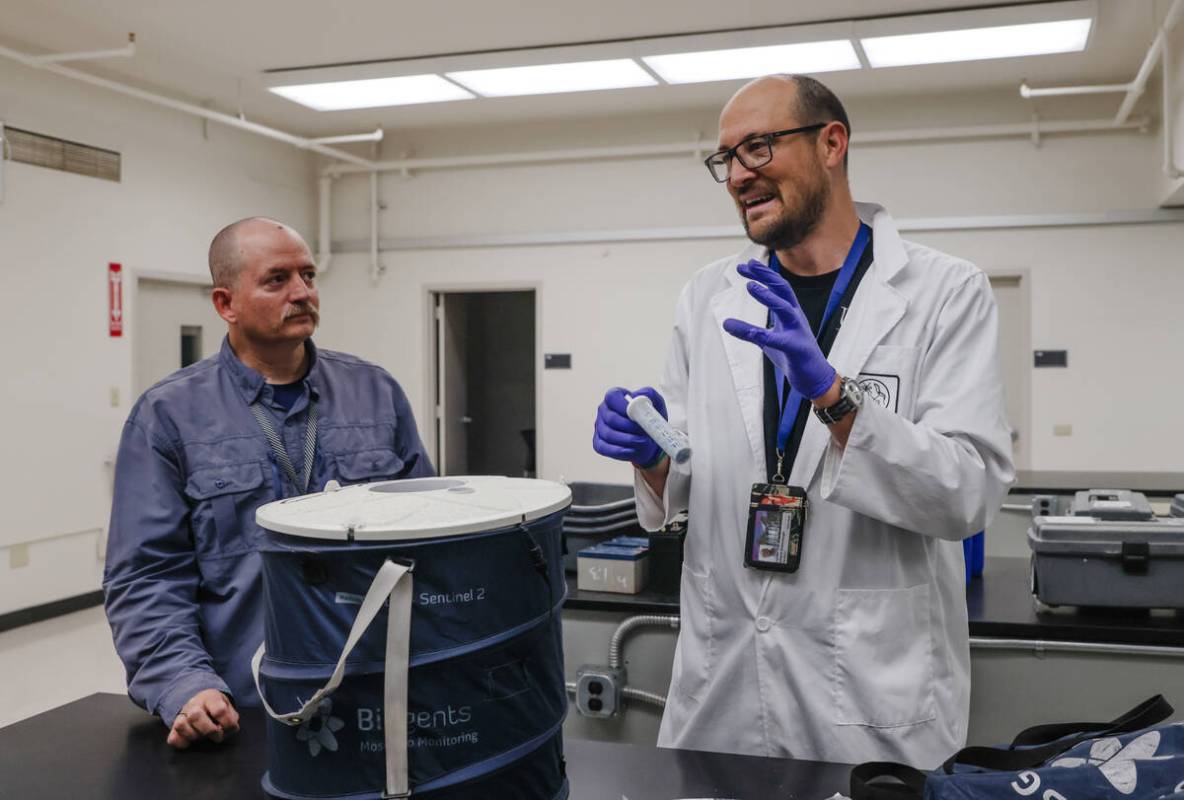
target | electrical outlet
[
  {"x": 1044, "y": 505},
  {"x": 18, "y": 556},
  {"x": 114, "y": 397},
  {"x": 598, "y": 690},
  {"x": 1062, "y": 430}
]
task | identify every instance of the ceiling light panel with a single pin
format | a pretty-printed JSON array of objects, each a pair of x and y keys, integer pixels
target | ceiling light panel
[
  {"x": 374, "y": 92},
  {"x": 752, "y": 62},
  {"x": 977, "y": 44},
  {"x": 580, "y": 76}
]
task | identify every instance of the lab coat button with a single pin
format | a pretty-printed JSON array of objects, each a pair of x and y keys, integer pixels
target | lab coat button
[
  {"x": 763, "y": 624},
  {"x": 220, "y": 483}
]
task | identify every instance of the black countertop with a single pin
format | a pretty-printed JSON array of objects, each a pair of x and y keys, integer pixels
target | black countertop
[
  {"x": 1000, "y": 606},
  {"x": 1157, "y": 484},
  {"x": 103, "y": 748}
]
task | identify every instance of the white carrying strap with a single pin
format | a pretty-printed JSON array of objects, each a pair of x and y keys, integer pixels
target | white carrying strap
[{"x": 387, "y": 583}]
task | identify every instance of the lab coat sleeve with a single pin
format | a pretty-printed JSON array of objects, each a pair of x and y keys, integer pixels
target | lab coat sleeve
[
  {"x": 150, "y": 581},
  {"x": 652, "y": 511},
  {"x": 945, "y": 473}
]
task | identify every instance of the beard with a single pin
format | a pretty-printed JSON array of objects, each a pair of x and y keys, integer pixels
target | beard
[{"x": 793, "y": 226}]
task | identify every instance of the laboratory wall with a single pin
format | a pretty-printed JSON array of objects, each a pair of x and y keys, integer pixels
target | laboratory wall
[
  {"x": 1109, "y": 294},
  {"x": 67, "y": 385}
]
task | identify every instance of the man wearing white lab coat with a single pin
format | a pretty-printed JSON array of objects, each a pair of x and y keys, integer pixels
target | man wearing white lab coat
[{"x": 861, "y": 653}]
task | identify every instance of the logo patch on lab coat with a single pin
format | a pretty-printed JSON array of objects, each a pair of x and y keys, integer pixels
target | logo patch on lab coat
[{"x": 883, "y": 390}]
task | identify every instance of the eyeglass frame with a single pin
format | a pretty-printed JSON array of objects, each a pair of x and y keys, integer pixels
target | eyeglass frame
[{"x": 732, "y": 153}]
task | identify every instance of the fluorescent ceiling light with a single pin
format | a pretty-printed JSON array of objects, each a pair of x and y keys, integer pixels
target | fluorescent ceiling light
[
  {"x": 401, "y": 91},
  {"x": 582, "y": 76},
  {"x": 752, "y": 62},
  {"x": 1005, "y": 41}
]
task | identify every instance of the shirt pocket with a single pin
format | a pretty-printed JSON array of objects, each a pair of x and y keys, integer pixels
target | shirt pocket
[
  {"x": 367, "y": 466},
  {"x": 223, "y": 501},
  {"x": 889, "y": 378},
  {"x": 696, "y": 641},
  {"x": 882, "y": 674}
]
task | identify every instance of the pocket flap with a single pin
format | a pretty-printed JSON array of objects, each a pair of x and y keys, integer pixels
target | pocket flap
[
  {"x": 212, "y": 481},
  {"x": 369, "y": 465}
]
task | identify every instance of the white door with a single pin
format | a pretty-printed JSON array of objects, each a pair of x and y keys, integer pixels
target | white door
[
  {"x": 1015, "y": 357},
  {"x": 171, "y": 321}
]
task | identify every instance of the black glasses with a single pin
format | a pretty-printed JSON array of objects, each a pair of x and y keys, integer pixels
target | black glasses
[{"x": 753, "y": 152}]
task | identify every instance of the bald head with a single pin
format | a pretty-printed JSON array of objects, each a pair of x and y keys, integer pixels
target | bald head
[
  {"x": 237, "y": 242},
  {"x": 807, "y": 100}
]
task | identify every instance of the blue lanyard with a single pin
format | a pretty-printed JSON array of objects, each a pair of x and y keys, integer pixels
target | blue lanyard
[{"x": 785, "y": 427}]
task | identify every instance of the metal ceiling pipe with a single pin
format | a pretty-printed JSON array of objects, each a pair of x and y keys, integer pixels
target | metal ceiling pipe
[
  {"x": 1001, "y": 131},
  {"x": 325, "y": 234},
  {"x": 375, "y": 267},
  {"x": 127, "y": 51},
  {"x": 1169, "y": 117},
  {"x": 375, "y": 136},
  {"x": 187, "y": 108},
  {"x": 1027, "y": 92},
  {"x": 1135, "y": 88}
]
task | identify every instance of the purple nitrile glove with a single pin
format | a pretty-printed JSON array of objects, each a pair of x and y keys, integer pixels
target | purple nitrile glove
[
  {"x": 789, "y": 344},
  {"x": 619, "y": 437}
]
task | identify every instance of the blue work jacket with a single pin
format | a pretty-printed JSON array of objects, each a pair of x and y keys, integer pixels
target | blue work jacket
[{"x": 182, "y": 580}]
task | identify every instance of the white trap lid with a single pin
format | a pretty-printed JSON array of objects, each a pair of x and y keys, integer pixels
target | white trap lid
[{"x": 419, "y": 508}]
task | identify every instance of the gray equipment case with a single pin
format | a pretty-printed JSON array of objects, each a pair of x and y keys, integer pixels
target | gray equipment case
[
  {"x": 1085, "y": 561},
  {"x": 1111, "y": 504}
]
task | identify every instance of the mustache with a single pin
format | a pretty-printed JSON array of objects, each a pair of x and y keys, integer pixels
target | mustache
[{"x": 297, "y": 309}]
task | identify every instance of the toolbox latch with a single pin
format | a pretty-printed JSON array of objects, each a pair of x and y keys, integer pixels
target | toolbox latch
[{"x": 1135, "y": 557}]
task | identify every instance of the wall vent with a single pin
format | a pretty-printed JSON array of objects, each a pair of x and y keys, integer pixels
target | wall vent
[{"x": 40, "y": 150}]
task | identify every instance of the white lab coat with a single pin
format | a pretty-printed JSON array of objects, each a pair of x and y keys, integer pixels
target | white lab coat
[{"x": 863, "y": 653}]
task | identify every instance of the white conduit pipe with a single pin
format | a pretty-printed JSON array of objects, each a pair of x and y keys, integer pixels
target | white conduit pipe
[
  {"x": 1134, "y": 89},
  {"x": 1169, "y": 117},
  {"x": 186, "y": 108},
  {"x": 375, "y": 269},
  {"x": 325, "y": 234},
  {"x": 1002, "y": 131},
  {"x": 1140, "y": 82}
]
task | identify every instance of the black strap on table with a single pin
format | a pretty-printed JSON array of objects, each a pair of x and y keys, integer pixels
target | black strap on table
[{"x": 879, "y": 780}]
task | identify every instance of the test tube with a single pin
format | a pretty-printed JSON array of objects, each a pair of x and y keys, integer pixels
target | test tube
[{"x": 673, "y": 441}]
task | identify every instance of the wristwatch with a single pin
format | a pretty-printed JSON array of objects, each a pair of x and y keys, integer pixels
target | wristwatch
[{"x": 850, "y": 399}]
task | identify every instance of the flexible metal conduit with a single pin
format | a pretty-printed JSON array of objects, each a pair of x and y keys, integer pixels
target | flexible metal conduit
[
  {"x": 631, "y": 624},
  {"x": 644, "y": 697}
]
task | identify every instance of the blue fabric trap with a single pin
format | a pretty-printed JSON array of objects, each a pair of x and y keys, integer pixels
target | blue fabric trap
[{"x": 477, "y": 702}]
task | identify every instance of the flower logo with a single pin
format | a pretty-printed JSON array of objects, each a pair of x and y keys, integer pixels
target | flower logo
[
  {"x": 1118, "y": 763},
  {"x": 318, "y": 730}
]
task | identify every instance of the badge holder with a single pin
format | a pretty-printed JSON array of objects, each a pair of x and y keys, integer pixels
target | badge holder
[{"x": 776, "y": 525}]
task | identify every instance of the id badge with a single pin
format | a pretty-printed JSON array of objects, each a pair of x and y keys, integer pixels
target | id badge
[{"x": 776, "y": 526}]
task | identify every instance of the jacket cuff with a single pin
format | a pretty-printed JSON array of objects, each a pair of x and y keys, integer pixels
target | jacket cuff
[{"x": 182, "y": 689}]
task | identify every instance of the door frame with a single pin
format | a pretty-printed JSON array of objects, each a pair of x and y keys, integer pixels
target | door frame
[
  {"x": 131, "y": 300},
  {"x": 1024, "y": 276},
  {"x": 431, "y": 374}
]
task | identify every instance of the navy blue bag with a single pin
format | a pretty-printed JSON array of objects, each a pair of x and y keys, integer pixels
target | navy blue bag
[{"x": 1116, "y": 760}]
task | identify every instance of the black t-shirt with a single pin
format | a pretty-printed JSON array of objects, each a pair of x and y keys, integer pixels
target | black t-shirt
[
  {"x": 286, "y": 394},
  {"x": 812, "y": 292}
]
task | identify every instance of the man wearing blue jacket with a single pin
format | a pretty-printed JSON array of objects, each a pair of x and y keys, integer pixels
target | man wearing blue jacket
[{"x": 268, "y": 417}]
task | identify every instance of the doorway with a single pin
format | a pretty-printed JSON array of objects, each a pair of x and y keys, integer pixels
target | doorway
[
  {"x": 1015, "y": 354},
  {"x": 484, "y": 355},
  {"x": 174, "y": 326}
]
